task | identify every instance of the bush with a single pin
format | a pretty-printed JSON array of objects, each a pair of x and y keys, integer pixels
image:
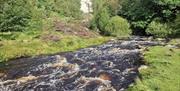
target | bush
[
  {"x": 142, "y": 12},
  {"x": 105, "y": 21},
  {"x": 176, "y": 26},
  {"x": 14, "y": 15},
  {"x": 103, "y": 10},
  {"x": 118, "y": 26},
  {"x": 158, "y": 29},
  {"x": 100, "y": 20}
]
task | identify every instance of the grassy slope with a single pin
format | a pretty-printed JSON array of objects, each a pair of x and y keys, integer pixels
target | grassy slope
[
  {"x": 163, "y": 73},
  {"x": 30, "y": 44}
]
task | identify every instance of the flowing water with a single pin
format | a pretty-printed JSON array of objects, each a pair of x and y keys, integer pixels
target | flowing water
[
  {"x": 86, "y": 6},
  {"x": 112, "y": 66}
]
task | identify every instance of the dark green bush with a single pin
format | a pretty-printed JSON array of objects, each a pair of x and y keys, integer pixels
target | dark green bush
[
  {"x": 103, "y": 11},
  {"x": 102, "y": 19},
  {"x": 118, "y": 26},
  {"x": 142, "y": 12},
  {"x": 14, "y": 15},
  {"x": 176, "y": 26}
]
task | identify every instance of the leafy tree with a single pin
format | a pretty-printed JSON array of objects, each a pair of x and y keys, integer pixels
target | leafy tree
[
  {"x": 103, "y": 11},
  {"x": 19, "y": 15},
  {"x": 176, "y": 26},
  {"x": 141, "y": 13},
  {"x": 14, "y": 15}
]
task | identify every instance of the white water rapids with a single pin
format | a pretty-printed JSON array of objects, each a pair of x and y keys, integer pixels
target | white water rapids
[{"x": 86, "y": 6}]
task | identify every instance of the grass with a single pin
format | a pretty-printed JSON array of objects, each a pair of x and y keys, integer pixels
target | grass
[
  {"x": 163, "y": 73},
  {"x": 22, "y": 44}
]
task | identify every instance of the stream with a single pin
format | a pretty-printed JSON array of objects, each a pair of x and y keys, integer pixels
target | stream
[{"x": 112, "y": 66}]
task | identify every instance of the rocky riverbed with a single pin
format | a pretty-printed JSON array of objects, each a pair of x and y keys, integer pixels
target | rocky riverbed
[{"x": 112, "y": 66}]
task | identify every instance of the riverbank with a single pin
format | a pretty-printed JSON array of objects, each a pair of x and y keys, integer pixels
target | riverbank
[
  {"x": 162, "y": 71},
  {"x": 24, "y": 44}
]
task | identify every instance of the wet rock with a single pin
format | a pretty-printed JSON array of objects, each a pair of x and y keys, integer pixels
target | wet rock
[
  {"x": 142, "y": 67},
  {"x": 25, "y": 79}
]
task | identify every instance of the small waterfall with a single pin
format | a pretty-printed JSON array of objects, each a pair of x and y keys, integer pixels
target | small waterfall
[{"x": 86, "y": 6}]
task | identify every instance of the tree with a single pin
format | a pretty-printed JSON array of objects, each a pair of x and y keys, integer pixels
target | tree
[
  {"x": 141, "y": 13},
  {"x": 14, "y": 15}
]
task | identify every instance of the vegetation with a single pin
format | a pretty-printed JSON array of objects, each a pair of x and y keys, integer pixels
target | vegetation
[
  {"x": 22, "y": 15},
  {"x": 176, "y": 26},
  {"x": 36, "y": 43},
  {"x": 36, "y": 27},
  {"x": 117, "y": 26},
  {"x": 106, "y": 20},
  {"x": 28, "y": 28},
  {"x": 158, "y": 29},
  {"x": 162, "y": 73},
  {"x": 14, "y": 15},
  {"x": 140, "y": 13}
]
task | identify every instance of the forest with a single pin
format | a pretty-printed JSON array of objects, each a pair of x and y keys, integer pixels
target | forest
[{"x": 35, "y": 28}]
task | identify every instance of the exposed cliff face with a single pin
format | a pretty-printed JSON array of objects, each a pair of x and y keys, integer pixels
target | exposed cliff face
[
  {"x": 112, "y": 66},
  {"x": 86, "y": 6}
]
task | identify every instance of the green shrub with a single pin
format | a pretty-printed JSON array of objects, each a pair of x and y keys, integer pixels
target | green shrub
[
  {"x": 142, "y": 12},
  {"x": 159, "y": 29},
  {"x": 118, "y": 26},
  {"x": 103, "y": 11},
  {"x": 14, "y": 15},
  {"x": 100, "y": 20},
  {"x": 176, "y": 26}
]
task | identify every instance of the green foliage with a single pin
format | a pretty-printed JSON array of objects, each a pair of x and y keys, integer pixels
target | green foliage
[
  {"x": 138, "y": 12},
  {"x": 102, "y": 19},
  {"x": 14, "y": 15},
  {"x": 68, "y": 8},
  {"x": 158, "y": 29},
  {"x": 103, "y": 11},
  {"x": 164, "y": 2},
  {"x": 21, "y": 15},
  {"x": 162, "y": 73},
  {"x": 176, "y": 26},
  {"x": 118, "y": 26},
  {"x": 101, "y": 15},
  {"x": 111, "y": 6},
  {"x": 141, "y": 13},
  {"x": 30, "y": 43}
]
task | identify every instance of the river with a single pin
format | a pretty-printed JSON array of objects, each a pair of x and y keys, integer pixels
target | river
[{"x": 112, "y": 66}]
